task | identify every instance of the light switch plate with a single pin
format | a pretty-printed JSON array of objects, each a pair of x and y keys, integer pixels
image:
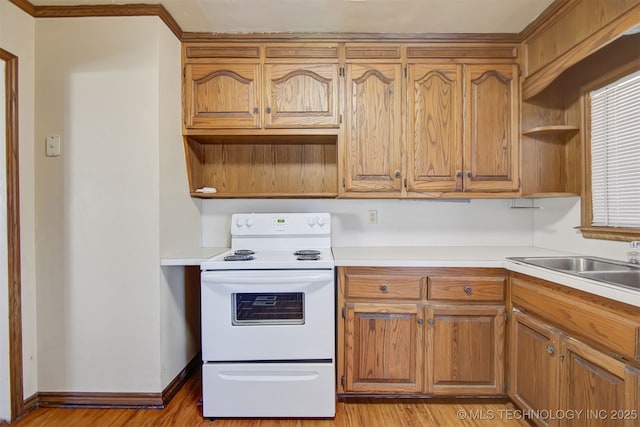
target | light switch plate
[{"x": 53, "y": 146}]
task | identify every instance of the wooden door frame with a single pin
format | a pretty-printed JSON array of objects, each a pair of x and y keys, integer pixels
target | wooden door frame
[{"x": 13, "y": 234}]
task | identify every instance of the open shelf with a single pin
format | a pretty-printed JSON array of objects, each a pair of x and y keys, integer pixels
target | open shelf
[
  {"x": 551, "y": 130},
  {"x": 272, "y": 167}
]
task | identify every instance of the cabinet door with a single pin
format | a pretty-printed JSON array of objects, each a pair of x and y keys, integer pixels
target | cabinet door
[
  {"x": 301, "y": 96},
  {"x": 434, "y": 150},
  {"x": 222, "y": 96},
  {"x": 533, "y": 370},
  {"x": 383, "y": 348},
  {"x": 373, "y": 149},
  {"x": 466, "y": 348},
  {"x": 491, "y": 128},
  {"x": 604, "y": 388}
]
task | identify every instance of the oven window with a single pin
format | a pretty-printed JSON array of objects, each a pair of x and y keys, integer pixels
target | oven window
[{"x": 272, "y": 308}]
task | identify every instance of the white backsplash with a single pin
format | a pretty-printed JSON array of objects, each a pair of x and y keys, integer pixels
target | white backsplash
[
  {"x": 400, "y": 222},
  {"x": 554, "y": 228}
]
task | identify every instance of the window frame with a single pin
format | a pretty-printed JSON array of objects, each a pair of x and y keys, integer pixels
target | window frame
[{"x": 588, "y": 230}]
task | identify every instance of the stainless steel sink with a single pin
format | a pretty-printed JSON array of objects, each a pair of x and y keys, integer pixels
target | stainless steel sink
[
  {"x": 604, "y": 270},
  {"x": 575, "y": 264},
  {"x": 629, "y": 279}
]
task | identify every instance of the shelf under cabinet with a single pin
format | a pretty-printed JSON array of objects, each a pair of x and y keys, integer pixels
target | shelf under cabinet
[
  {"x": 272, "y": 167},
  {"x": 551, "y": 130}
]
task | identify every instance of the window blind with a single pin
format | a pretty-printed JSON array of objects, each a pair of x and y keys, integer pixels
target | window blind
[{"x": 615, "y": 153}]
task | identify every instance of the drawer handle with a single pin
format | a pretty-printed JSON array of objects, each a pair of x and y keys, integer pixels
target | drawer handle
[
  {"x": 550, "y": 350},
  {"x": 468, "y": 290},
  {"x": 384, "y": 288}
]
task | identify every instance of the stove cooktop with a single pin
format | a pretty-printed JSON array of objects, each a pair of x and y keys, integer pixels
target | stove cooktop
[{"x": 245, "y": 259}]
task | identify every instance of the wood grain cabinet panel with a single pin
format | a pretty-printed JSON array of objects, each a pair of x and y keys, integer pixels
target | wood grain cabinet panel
[
  {"x": 220, "y": 96},
  {"x": 301, "y": 95},
  {"x": 434, "y": 140},
  {"x": 373, "y": 146},
  {"x": 466, "y": 346},
  {"x": 491, "y": 131},
  {"x": 397, "y": 342},
  {"x": 557, "y": 368},
  {"x": 382, "y": 348},
  {"x": 603, "y": 388},
  {"x": 533, "y": 376},
  {"x": 466, "y": 289}
]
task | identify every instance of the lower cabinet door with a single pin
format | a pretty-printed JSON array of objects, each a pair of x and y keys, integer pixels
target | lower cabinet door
[
  {"x": 533, "y": 367},
  {"x": 598, "y": 389},
  {"x": 383, "y": 348},
  {"x": 465, "y": 350}
]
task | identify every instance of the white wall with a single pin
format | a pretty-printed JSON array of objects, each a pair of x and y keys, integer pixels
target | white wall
[
  {"x": 180, "y": 226},
  {"x": 554, "y": 229},
  {"x": 100, "y": 87},
  {"x": 400, "y": 222},
  {"x": 17, "y": 35}
]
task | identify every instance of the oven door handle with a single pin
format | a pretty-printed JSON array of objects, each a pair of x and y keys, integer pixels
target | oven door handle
[{"x": 235, "y": 280}]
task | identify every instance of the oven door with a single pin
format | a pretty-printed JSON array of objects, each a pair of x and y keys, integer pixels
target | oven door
[{"x": 255, "y": 315}]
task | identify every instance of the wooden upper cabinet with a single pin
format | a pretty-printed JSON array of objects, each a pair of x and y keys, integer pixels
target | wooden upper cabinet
[
  {"x": 220, "y": 96},
  {"x": 262, "y": 86},
  {"x": 491, "y": 131},
  {"x": 372, "y": 151},
  {"x": 434, "y": 146},
  {"x": 301, "y": 95}
]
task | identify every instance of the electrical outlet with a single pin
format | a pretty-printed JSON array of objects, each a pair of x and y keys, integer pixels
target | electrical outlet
[{"x": 373, "y": 216}]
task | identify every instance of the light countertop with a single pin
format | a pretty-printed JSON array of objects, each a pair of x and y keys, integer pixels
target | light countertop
[
  {"x": 191, "y": 257},
  {"x": 479, "y": 256},
  {"x": 445, "y": 256}
]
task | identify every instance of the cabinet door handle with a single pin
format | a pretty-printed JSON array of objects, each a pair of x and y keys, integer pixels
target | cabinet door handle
[
  {"x": 550, "y": 350},
  {"x": 267, "y": 110},
  {"x": 468, "y": 290},
  {"x": 256, "y": 110},
  {"x": 384, "y": 288}
]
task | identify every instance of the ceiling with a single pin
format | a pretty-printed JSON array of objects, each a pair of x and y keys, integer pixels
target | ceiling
[{"x": 341, "y": 16}]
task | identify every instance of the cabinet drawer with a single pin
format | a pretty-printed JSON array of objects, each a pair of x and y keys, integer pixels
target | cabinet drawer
[
  {"x": 466, "y": 289},
  {"x": 383, "y": 287}
]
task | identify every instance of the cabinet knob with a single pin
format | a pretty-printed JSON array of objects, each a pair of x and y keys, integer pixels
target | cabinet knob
[
  {"x": 267, "y": 110},
  {"x": 431, "y": 322},
  {"x": 397, "y": 174},
  {"x": 459, "y": 174},
  {"x": 256, "y": 110},
  {"x": 384, "y": 288},
  {"x": 550, "y": 350},
  {"x": 469, "y": 174},
  {"x": 420, "y": 321},
  {"x": 468, "y": 290}
]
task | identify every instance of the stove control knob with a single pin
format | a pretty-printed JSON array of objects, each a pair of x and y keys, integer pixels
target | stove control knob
[
  {"x": 249, "y": 222},
  {"x": 321, "y": 221},
  {"x": 311, "y": 221},
  {"x": 239, "y": 222}
]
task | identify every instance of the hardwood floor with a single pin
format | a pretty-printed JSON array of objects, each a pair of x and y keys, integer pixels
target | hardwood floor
[{"x": 184, "y": 410}]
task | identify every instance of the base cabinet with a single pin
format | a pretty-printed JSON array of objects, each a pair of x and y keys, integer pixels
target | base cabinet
[
  {"x": 562, "y": 377},
  {"x": 465, "y": 349},
  {"x": 420, "y": 332},
  {"x": 382, "y": 347}
]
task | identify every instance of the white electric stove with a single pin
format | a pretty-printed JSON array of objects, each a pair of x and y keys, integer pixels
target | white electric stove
[{"x": 268, "y": 319}]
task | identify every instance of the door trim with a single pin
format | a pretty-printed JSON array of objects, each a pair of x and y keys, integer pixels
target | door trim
[{"x": 13, "y": 235}]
